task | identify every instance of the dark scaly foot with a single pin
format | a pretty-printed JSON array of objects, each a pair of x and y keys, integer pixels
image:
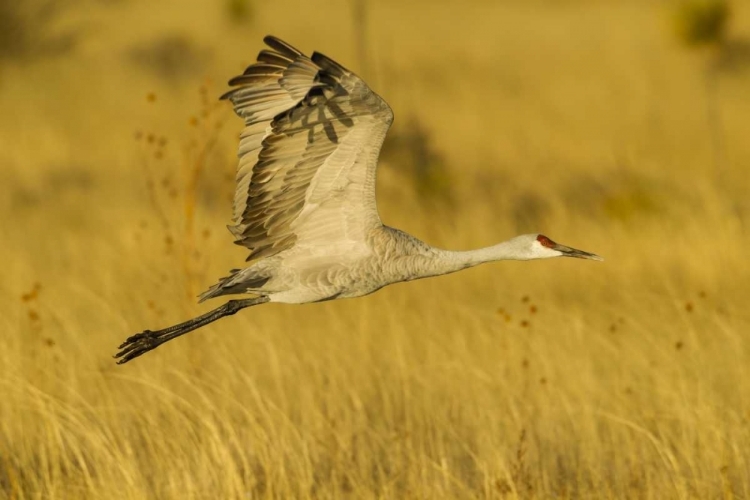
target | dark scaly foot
[
  {"x": 148, "y": 340},
  {"x": 141, "y": 343}
]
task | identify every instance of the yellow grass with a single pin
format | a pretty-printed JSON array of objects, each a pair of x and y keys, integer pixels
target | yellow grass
[{"x": 586, "y": 121}]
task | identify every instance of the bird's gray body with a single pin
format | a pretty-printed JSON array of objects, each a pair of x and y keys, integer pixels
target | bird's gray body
[{"x": 387, "y": 256}]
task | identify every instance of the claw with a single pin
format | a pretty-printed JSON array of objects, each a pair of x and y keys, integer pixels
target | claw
[
  {"x": 136, "y": 337},
  {"x": 137, "y": 344}
]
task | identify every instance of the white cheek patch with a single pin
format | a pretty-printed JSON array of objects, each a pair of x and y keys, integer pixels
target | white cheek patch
[{"x": 539, "y": 251}]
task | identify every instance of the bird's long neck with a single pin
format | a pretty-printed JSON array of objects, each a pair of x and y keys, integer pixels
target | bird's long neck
[
  {"x": 469, "y": 258},
  {"x": 449, "y": 261},
  {"x": 420, "y": 260}
]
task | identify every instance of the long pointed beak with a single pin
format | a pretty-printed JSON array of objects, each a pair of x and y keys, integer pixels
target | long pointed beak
[{"x": 572, "y": 252}]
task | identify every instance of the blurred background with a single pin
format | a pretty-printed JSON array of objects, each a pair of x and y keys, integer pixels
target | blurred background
[{"x": 616, "y": 127}]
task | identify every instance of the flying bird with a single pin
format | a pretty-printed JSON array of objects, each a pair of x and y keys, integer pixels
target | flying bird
[{"x": 304, "y": 204}]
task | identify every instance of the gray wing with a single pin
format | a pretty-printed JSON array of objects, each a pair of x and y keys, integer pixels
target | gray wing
[{"x": 308, "y": 152}]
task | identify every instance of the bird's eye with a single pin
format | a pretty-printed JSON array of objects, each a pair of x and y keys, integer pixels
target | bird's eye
[{"x": 546, "y": 242}]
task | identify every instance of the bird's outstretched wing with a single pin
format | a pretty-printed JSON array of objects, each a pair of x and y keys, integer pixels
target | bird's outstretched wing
[{"x": 308, "y": 152}]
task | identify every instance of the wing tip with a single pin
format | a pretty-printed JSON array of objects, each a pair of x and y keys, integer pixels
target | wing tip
[
  {"x": 227, "y": 95},
  {"x": 268, "y": 63},
  {"x": 281, "y": 46}
]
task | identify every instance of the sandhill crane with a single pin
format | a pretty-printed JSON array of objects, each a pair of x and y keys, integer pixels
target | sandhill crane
[{"x": 305, "y": 199}]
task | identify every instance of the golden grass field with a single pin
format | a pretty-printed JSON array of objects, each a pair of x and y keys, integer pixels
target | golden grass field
[{"x": 585, "y": 120}]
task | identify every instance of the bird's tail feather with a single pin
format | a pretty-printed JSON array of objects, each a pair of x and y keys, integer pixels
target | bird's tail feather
[{"x": 234, "y": 284}]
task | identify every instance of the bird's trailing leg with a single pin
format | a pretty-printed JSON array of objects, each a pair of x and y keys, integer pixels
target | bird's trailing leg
[{"x": 147, "y": 340}]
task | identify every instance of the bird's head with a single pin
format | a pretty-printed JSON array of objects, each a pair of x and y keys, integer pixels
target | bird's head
[{"x": 538, "y": 246}]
